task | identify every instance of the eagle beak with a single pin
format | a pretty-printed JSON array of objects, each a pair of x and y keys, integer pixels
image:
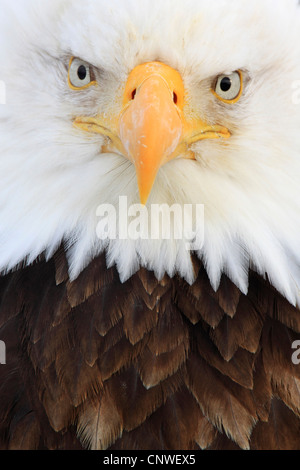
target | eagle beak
[
  {"x": 152, "y": 128},
  {"x": 150, "y": 125}
]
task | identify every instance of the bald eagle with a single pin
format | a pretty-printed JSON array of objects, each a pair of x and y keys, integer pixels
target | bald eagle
[{"x": 118, "y": 339}]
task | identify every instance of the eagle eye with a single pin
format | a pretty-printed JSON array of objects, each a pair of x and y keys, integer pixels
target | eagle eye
[
  {"x": 80, "y": 74},
  {"x": 229, "y": 87}
]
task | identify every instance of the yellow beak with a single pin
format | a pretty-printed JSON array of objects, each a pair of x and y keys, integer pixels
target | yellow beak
[{"x": 151, "y": 128}]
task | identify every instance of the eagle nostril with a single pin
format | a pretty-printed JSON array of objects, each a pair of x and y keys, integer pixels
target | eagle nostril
[
  {"x": 133, "y": 94},
  {"x": 175, "y": 97}
]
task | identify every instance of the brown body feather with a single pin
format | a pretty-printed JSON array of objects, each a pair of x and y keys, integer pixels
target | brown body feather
[{"x": 145, "y": 364}]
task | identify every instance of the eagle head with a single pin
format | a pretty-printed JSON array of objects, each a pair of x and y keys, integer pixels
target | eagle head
[{"x": 177, "y": 102}]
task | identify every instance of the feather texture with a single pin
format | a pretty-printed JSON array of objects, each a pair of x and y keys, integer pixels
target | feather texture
[{"x": 100, "y": 364}]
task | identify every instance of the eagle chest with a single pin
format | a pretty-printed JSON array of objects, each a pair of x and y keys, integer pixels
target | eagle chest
[{"x": 145, "y": 364}]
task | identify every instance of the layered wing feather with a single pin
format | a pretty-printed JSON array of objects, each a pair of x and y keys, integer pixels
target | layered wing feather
[{"x": 146, "y": 364}]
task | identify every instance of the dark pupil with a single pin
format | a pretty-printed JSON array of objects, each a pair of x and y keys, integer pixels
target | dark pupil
[
  {"x": 225, "y": 84},
  {"x": 82, "y": 72}
]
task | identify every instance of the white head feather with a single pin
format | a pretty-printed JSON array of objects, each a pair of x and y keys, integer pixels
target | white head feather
[{"x": 53, "y": 177}]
